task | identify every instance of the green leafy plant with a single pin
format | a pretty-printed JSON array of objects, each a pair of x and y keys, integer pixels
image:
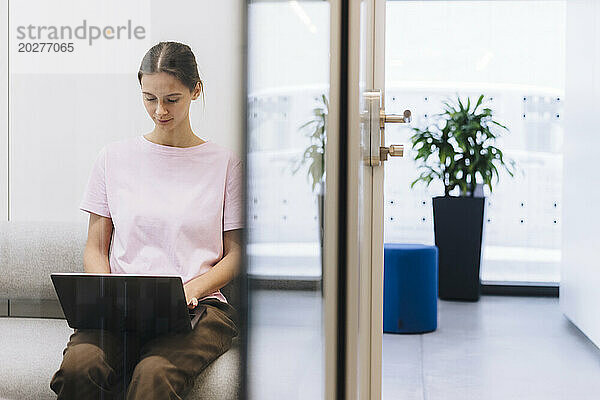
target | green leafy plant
[
  {"x": 459, "y": 149},
  {"x": 314, "y": 155}
]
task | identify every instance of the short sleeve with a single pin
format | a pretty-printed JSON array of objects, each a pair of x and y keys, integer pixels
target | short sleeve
[
  {"x": 94, "y": 197},
  {"x": 233, "y": 203}
]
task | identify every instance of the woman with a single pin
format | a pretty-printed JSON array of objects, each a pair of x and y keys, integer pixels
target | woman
[{"x": 175, "y": 202}]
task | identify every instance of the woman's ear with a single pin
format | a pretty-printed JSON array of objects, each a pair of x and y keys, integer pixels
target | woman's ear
[{"x": 197, "y": 90}]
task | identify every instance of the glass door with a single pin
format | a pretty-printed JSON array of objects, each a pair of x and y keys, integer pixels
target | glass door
[
  {"x": 315, "y": 163},
  {"x": 287, "y": 106}
]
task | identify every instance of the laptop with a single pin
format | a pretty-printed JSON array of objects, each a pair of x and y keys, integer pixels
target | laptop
[{"x": 150, "y": 305}]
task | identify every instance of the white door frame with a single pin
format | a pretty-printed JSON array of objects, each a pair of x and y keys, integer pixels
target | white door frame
[{"x": 370, "y": 239}]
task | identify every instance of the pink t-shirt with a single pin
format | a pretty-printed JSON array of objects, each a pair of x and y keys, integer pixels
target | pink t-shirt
[{"x": 169, "y": 205}]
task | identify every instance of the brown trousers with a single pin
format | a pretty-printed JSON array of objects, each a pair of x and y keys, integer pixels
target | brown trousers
[{"x": 102, "y": 365}]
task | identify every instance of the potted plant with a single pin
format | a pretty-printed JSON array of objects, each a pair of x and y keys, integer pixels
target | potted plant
[
  {"x": 314, "y": 156},
  {"x": 459, "y": 151}
]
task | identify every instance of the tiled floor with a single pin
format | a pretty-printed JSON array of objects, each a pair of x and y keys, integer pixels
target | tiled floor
[
  {"x": 286, "y": 345},
  {"x": 497, "y": 348}
]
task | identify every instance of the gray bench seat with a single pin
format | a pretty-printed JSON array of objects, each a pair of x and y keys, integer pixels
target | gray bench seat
[{"x": 31, "y": 348}]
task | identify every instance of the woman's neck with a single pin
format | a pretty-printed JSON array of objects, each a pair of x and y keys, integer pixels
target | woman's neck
[{"x": 182, "y": 136}]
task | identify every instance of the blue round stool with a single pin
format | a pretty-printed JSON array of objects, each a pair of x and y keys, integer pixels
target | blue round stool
[{"x": 410, "y": 285}]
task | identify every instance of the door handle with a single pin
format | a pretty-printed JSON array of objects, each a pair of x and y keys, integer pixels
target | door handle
[
  {"x": 373, "y": 121},
  {"x": 395, "y": 150},
  {"x": 394, "y": 118}
]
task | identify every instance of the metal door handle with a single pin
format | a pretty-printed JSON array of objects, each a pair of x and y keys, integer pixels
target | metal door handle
[
  {"x": 395, "y": 150},
  {"x": 373, "y": 121},
  {"x": 394, "y": 118}
]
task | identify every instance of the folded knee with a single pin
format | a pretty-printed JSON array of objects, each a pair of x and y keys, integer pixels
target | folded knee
[
  {"x": 83, "y": 371},
  {"x": 155, "y": 369},
  {"x": 85, "y": 364},
  {"x": 81, "y": 358}
]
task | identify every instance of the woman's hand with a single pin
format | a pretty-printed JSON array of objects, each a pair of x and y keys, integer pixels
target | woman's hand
[
  {"x": 190, "y": 300},
  {"x": 220, "y": 274}
]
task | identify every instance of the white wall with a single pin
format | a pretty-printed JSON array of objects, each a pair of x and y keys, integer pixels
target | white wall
[
  {"x": 288, "y": 45},
  {"x": 65, "y": 107},
  {"x": 580, "y": 280},
  {"x": 3, "y": 113},
  {"x": 213, "y": 30}
]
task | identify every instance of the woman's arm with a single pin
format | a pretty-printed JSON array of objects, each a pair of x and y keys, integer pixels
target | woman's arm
[
  {"x": 221, "y": 273},
  {"x": 95, "y": 255}
]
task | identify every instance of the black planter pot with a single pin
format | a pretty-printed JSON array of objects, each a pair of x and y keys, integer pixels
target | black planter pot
[{"x": 458, "y": 226}]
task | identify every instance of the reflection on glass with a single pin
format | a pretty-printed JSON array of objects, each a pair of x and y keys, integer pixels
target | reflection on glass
[
  {"x": 160, "y": 171},
  {"x": 287, "y": 105}
]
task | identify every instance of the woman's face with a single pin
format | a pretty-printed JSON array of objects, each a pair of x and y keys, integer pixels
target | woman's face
[{"x": 167, "y": 100}]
